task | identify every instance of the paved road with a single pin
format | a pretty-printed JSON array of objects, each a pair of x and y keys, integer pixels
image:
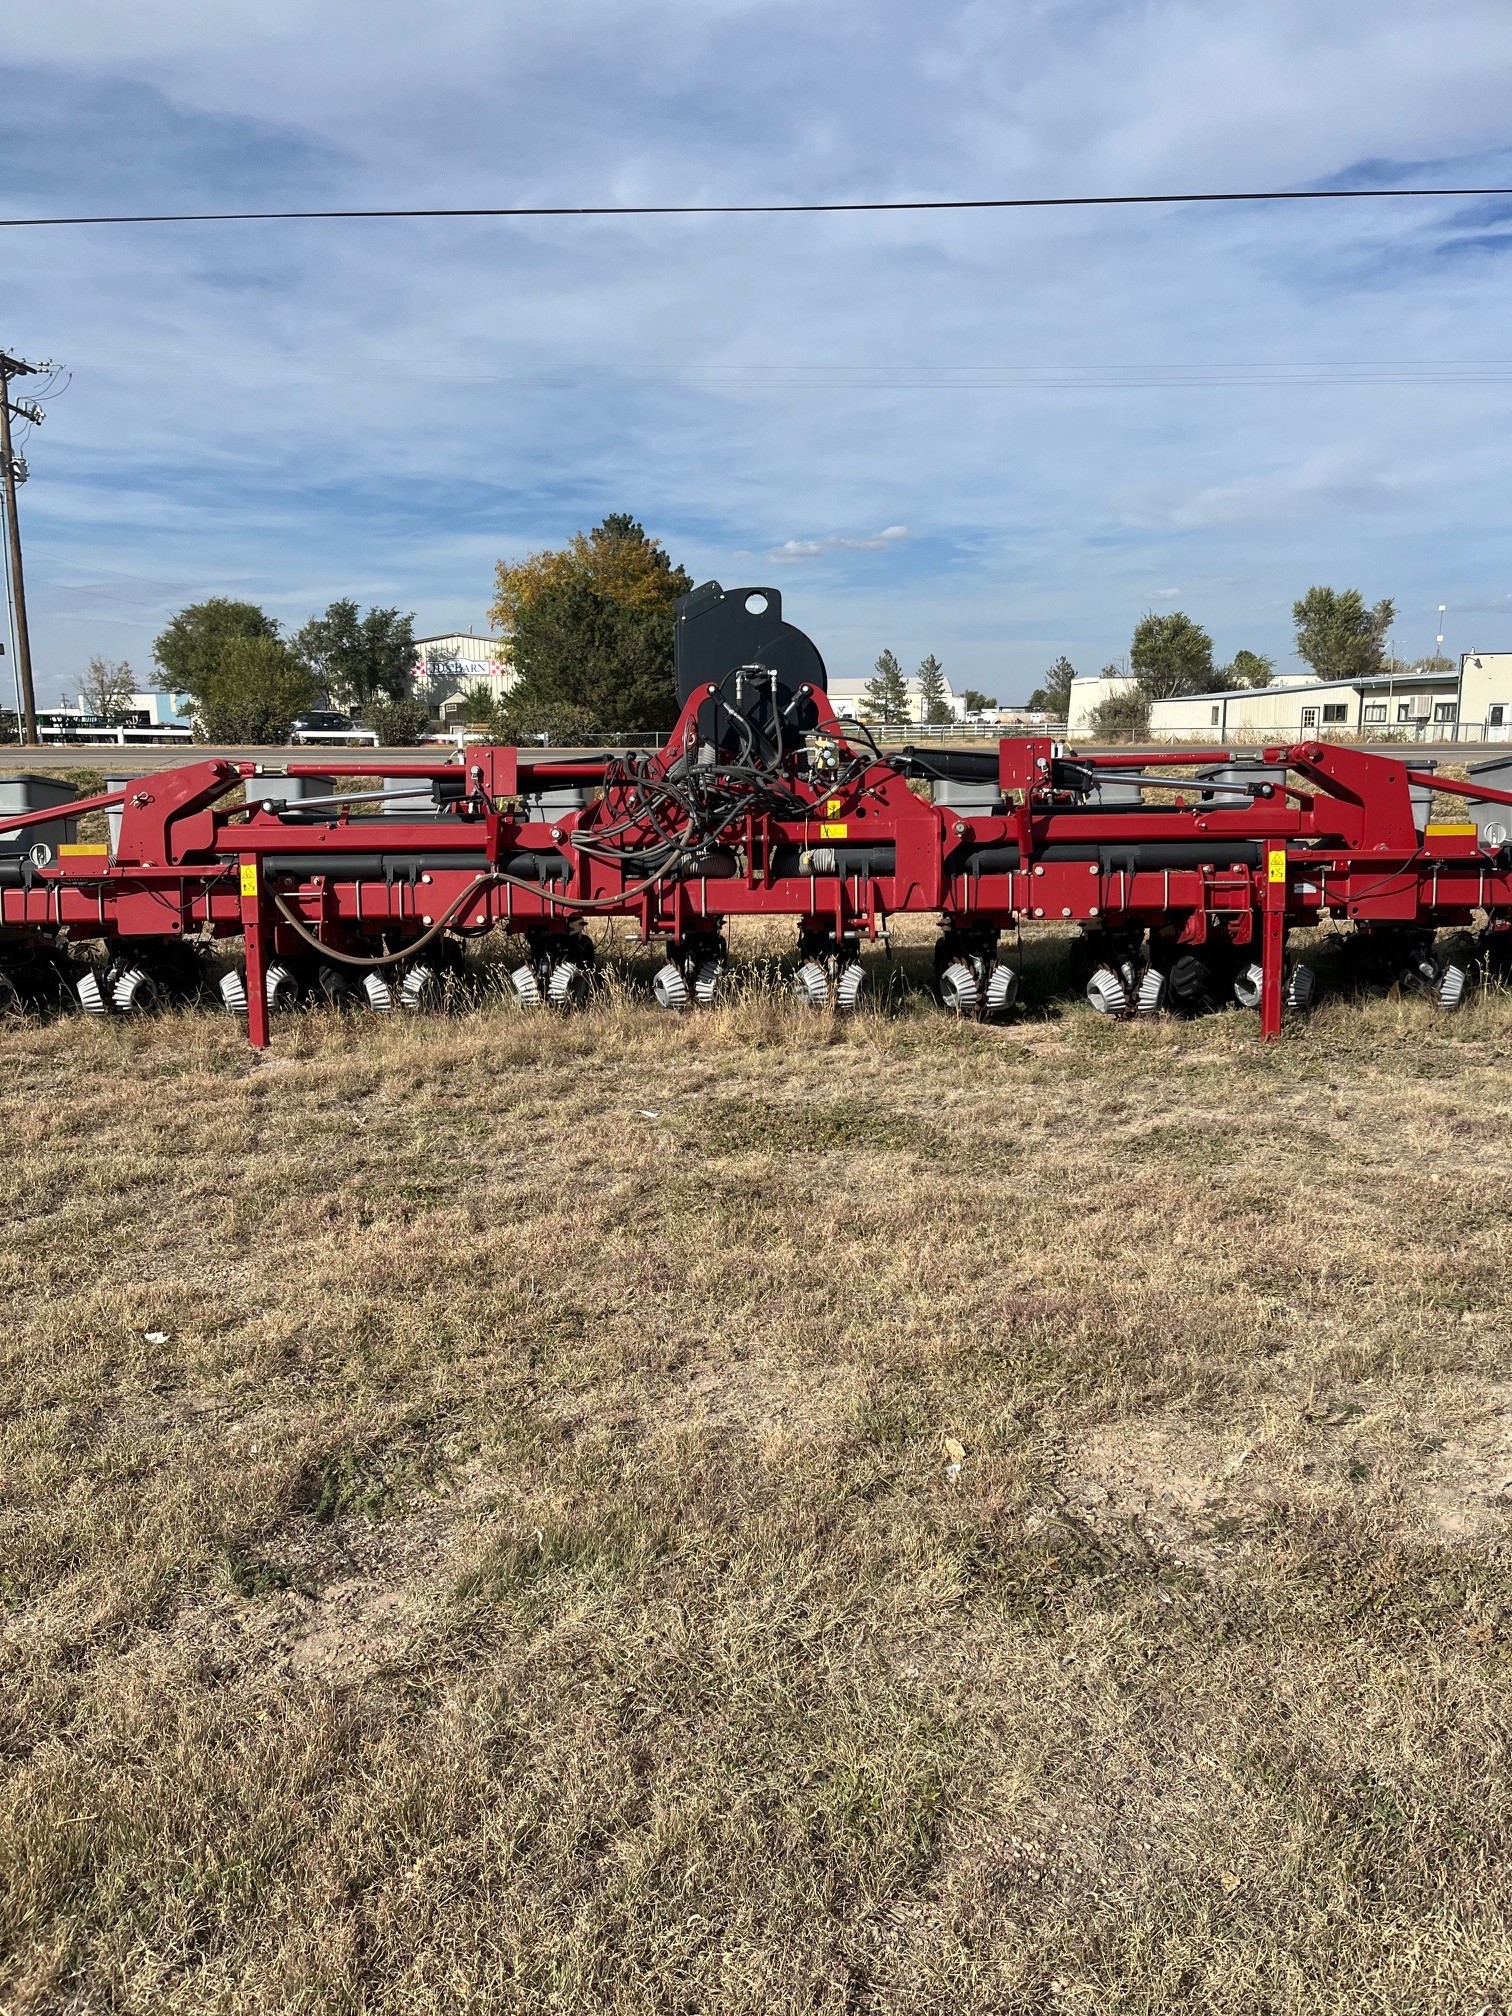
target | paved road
[{"x": 141, "y": 761}]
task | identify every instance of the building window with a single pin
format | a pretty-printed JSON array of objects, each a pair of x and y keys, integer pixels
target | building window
[
  {"x": 1335, "y": 712},
  {"x": 1496, "y": 717},
  {"x": 1404, "y": 710},
  {"x": 1445, "y": 710},
  {"x": 1309, "y": 717},
  {"x": 1376, "y": 711},
  {"x": 1215, "y": 717}
]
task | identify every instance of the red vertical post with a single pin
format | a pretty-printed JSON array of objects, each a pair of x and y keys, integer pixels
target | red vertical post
[
  {"x": 1273, "y": 945},
  {"x": 255, "y": 938}
]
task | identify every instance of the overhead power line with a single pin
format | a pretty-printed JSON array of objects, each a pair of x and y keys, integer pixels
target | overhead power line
[{"x": 907, "y": 203}]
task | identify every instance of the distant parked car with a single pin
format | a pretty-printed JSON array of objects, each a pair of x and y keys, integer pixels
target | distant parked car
[{"x": 329, "y": 727}]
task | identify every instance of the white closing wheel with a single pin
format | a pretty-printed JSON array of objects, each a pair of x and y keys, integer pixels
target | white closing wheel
[
  {"x": 1301, "y": 986},
  {"x": 525, "y": 987},
  {"x": 567, "y": 986},
  {"x": 1248, "y": 985},
  {"x": 1002, "y": 990},
  {"x": 852, "y": 987},
  {"x": 380, "y": 996},
  {"x": 1151, "y": 996},
  {"x": 135, "y": 992},
  {"x": 233, "y": 992},
  {"x": 708, "y": 981},
  {"x": 280, "y": 987},
  {"x": 958, "y": 987},
  {"x": 421, "y": 985},
  {"x": 1107, "y": 993},
  {"x": 670, "y": 987},
  {"x": 1450, "y": 991},
  {"x": 811, "y": 984}
]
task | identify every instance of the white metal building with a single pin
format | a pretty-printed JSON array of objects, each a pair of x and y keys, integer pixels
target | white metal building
[
  {"x": 848, "y": 698},
  {"x": 145, "y": 717}
]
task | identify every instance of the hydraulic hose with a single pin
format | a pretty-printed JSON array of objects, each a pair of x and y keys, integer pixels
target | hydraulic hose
[
  {"x": 301, "y": 930},
  {"x": 587, "y": 905}
]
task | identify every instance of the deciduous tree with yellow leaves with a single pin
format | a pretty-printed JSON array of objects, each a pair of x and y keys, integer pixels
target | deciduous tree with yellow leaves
[{"x": 589, "y": 628}]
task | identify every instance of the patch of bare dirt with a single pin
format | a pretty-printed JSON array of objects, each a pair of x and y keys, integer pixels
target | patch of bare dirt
[
  {"x": 1467, "y": 1480},
  {"x": 1174, "y": 1478},
  {"x": 765, "y": 1397},
  {"x": 1439, "y": 1469}
]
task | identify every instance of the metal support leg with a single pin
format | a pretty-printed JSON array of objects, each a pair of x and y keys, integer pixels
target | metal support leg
[
  {"x": 255, "y": 938},
  {"x": 1273, "y": 945}
]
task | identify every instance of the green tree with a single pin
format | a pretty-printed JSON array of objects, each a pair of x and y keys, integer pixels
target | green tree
[
  {"x": 975, "y": 702},
  {"x": 886, "y": 696},
  {"x": 398, "y": 724},
  {"x": 190, "y": 651},
  {"x": 1339, "y": 635},
  {"x": 1123, "y": 717},
  {"x": 1171, "y": 655},
  {"x": 1246, "y": 668},
  {"x": 479, "y": 708},
  {"x": 355, "y": 659},
  {"x": 257, "y": 690},
  {"x": 1054, "y": 697},
  {"x": 933, "y": 705},
  {"x": 589, "y": 631}
]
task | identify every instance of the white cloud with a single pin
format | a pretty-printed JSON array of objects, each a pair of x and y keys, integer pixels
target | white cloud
[{"x": 837, "y": 542}]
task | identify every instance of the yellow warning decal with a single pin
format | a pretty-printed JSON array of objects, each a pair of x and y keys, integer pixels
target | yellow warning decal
[
  {"x": 833, "y": 829},
  {"x": 832, "y": 807},
  {"x": 73, "y": 850},
  {"x": 249, "y": 878},
  {"x": 1275, "y": 865},
  {"x": 1454, "y": 830}
]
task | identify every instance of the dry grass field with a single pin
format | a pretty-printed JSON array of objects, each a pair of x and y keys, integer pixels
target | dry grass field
[{"x": 757, "y": 1514}]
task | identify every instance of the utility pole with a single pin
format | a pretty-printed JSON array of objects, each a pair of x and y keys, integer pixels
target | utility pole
[{"x": 16, "y": 367}]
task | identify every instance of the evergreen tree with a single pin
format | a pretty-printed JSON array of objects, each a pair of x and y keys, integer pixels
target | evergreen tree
[
  {"x": 1054, "y": 697},
  {"x": 934, "y": 708},
  {"x": 886, "y": 695}
]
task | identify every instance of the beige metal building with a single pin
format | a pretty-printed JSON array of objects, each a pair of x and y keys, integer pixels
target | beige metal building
[
  {"x": 448, "y": 668},
  {"x": 1486, "y": 693},
  {"x": 1418, "y": 705},
  {"x": 1473, "y": 704}
]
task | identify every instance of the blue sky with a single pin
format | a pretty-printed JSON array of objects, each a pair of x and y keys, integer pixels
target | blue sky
[{"x": 996, "y": 437}]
